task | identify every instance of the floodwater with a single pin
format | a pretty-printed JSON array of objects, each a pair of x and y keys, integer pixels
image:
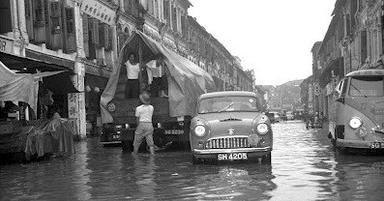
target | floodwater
[{"x": 304, "y": 167}]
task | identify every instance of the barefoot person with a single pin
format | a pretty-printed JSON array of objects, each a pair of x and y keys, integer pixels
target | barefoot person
[{"x": 144, "y": 128}]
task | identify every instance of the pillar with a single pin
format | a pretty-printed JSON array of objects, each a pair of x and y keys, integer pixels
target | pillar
[{"x": 76, "y": 101}]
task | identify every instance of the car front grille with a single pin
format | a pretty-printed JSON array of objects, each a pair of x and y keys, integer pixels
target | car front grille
[{"x": 227, "y": 143}]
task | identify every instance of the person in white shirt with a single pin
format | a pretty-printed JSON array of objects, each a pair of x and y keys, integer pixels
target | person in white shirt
[
  {"x": 157, "y": 78},
  {"x": 133, "y": 70},
  {"x": 144, "y": 128}
]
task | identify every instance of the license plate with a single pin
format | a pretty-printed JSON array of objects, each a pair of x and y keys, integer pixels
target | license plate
[
  {"x": 377, "y": 145},
  {"x": 232, "y": 157}
]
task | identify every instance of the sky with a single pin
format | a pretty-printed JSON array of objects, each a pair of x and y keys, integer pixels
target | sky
[{"x": 273, "y": 37}]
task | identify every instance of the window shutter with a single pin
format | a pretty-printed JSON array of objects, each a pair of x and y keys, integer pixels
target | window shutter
[
  {"x": 69, "y": 38},
  {"x": 5, "y": 17},
  {"x": 108, "y": 45},
  {"x": 85, "y": 35},
  {"x": 95, "y": 32},
  {"x": 166, "y": 11},
  {"x": 101, "y": 34},
  {"x": 92, "y": 36},
  {"x": 28, "y": 18},
  {"x": 55, "y": 26}
]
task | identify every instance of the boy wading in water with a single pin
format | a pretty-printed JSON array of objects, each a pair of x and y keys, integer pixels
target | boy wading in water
[{"x": 144, "y": 129}]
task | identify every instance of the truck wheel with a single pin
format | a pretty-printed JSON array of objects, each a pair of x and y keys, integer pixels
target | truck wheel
[
  {"x": 195, "y": 160},
  {"x": 127, "y": 146},
  {"x": 266, "y": 159}
]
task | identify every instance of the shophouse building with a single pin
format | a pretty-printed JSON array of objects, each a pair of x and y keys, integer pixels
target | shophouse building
[
  {"x": 83, "y": 38},
  {"x": 353, "y": 41}
]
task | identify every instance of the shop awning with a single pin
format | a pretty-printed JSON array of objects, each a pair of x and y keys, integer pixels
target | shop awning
[{"x": 59, "y": 83}]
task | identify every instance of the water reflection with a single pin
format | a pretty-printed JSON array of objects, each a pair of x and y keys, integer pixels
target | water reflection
[
  {"x": 304, "y": 167},
  {"x": 143, "y": 177}
]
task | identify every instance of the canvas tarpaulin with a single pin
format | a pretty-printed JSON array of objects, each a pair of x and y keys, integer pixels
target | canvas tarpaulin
[
  {"x": 21, "y": 87},
  {"x": 186, "y": 81}
]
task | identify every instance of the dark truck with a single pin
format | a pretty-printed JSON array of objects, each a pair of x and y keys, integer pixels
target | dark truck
[{"x": 172, "y": 114}]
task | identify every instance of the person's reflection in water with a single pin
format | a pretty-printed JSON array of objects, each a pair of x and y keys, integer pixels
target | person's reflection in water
[{"x": 144, "y": 173}]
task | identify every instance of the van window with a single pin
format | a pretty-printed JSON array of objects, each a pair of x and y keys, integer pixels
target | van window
[{"x": 367, "y": 86}]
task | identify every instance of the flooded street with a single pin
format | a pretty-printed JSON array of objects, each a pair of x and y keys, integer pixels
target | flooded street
[{"x": 304, "y": 167}]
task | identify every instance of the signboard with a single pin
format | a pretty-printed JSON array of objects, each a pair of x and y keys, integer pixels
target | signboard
[
  {"x": 6, "y": 45},
  {"x": 99, "y": 11}
]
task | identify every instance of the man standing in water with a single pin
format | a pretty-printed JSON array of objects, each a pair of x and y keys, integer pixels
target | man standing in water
[{"x": 144, "y": 128}]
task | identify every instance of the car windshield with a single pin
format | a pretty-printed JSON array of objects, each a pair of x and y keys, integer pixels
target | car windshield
[
  {"x": 228, "y": 104},
  {"x": 367, "y": 86}
]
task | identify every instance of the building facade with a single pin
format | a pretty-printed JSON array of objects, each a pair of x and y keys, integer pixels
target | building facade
[
  {"x": 84, "y": 37},
  {"x": 353, "y": 41}
]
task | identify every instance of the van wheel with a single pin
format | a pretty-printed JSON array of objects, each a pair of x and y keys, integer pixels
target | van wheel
[
  {"x": 195, "y": 160},
  {"x": 266, "y": 159}
]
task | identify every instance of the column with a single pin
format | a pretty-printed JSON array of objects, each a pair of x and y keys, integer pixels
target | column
[
  {"x": 76, "y": 101},
  {"x": 22, "y": 26},
  {"x": 122, "y": 6}
]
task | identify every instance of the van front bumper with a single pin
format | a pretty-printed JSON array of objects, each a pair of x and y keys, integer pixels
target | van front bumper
[{"x": 342, "y": 143}]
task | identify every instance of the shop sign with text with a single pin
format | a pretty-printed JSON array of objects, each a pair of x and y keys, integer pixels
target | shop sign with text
[
  {"x": 99, "y": 11},
  {"x": 5, "y": 45}
]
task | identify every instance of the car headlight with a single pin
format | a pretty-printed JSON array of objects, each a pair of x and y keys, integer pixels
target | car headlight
[
  {"x": 200, "y": 130},
  {"x": 262, "y": 129},
  {"x": 355, "y": 123}
]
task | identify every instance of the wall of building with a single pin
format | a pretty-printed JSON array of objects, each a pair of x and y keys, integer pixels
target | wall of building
[
  {"x": 85, "y": 36},
  {"x": 353, "y": 41}
]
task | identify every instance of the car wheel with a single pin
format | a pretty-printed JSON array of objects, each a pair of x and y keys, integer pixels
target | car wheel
[
  {"x": 266, "y": 159},
  {"x": 195, "y": 160}
]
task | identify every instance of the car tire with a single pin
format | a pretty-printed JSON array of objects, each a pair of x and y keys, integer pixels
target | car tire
[
  {"x": 266, "y": 159},
  {"x": 196, "y": 160}
]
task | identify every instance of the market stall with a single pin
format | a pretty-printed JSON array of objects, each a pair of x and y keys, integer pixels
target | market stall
[{"x": 29, "y": 126}]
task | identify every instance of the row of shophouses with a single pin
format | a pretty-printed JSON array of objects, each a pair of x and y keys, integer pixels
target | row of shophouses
[
  {"x": 83, "y": 37},
  {"x": 353, "y": 41}
]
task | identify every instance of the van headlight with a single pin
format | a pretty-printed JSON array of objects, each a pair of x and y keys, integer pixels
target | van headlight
[
  {"x": 200, "y": 130},
  {"x": 262, "y": 129},
  {"x": 355, "y": 123}
]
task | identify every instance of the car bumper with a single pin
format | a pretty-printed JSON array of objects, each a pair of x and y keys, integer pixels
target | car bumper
[
  {"x": 212, "y": 153},
  {"x": 342, "y": 143}
]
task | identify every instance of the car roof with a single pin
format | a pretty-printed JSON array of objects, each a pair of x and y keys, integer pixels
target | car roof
[
  {"x": 227, "y": 93},
  {"x": 366, "y": 72}
]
